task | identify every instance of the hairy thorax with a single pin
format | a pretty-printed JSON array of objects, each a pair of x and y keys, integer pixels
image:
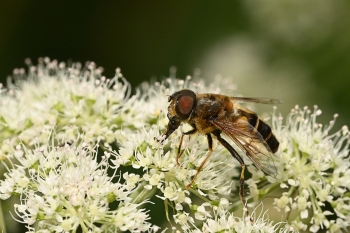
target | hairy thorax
[{"x": 211, "y": 106}]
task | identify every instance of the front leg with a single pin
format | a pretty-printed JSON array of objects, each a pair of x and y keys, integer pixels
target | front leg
[
  {"x": 210, "y": 146},
  {"x": 179, "y": 152}
]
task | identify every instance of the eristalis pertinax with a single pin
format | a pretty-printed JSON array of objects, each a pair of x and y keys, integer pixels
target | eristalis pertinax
[{"x": 212, "y": 114}]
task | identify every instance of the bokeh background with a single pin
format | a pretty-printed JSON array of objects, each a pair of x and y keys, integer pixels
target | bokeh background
[{"x": 296, "y": 51}]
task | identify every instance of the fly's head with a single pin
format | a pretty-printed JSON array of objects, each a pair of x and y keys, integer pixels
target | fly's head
[{"x": 182, "y": 104}]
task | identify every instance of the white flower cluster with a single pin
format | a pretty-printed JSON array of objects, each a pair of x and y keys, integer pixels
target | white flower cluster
[
  {"x": 54, "y": 95},
  {"x": 223, "y": 221},
  {"x": 313, "y": 173},
  {"x": 63, "y": 187},
  {"x": 66, "y": 186},
  {"x": 160, "y": 171},
  {"x": 82, "y": 153}
]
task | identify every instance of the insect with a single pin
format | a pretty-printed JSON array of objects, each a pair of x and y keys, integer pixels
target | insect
[{"x": 213, "y": 114}]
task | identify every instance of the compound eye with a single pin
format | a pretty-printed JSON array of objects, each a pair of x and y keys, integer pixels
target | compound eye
[{"x": 185, "y": 104}]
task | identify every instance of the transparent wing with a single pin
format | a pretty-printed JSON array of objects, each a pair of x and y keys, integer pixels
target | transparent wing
[
  {"x": 256, "y": 100},
  {"x": 249, "y": 140}
]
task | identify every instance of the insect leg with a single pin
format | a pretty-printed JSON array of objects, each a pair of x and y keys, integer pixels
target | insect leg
[
  {"x": 179, "y": 152},
  {"x": 240, "y": 160},
  {"x": 210, "y": 145}
]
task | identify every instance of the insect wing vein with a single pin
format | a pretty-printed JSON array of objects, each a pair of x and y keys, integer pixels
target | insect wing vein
[
  {"x": 249, "y": 140},
  {"x": 256, "y": 100}
]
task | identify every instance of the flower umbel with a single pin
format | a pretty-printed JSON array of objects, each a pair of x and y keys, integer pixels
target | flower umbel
[
  {"x": 224, "y": 221},
  {"x": 64, "y": 187},
  {"x": 313, "y": 167},
  {"x": 80, "y": 152}
]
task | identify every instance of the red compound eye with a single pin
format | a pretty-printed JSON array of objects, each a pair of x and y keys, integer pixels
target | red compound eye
[{"x": 185, "y": 103}]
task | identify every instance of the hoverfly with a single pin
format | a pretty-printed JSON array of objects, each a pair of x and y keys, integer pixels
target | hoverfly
[{"x": 212, "y": 114}]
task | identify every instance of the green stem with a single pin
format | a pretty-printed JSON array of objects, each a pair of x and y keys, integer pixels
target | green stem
[
  {"x": 2, "y": 221},
  {"x": 195, "y": 192},
  {"x": 142, "y": 194}
]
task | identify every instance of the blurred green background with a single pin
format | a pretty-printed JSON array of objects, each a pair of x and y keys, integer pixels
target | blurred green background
[{"x": 296, "y": 51}]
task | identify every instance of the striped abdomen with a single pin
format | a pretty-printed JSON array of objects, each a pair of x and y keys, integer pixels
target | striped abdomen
[{"x": 265, "y": 131}]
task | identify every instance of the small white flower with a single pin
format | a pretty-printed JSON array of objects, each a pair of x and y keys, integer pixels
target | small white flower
[
  {"x": 15, "y": 181},
  {"x": 201, "y": 213},
  {"x": 155, "y": 178},
  {"x": 169, "y": 193}
]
